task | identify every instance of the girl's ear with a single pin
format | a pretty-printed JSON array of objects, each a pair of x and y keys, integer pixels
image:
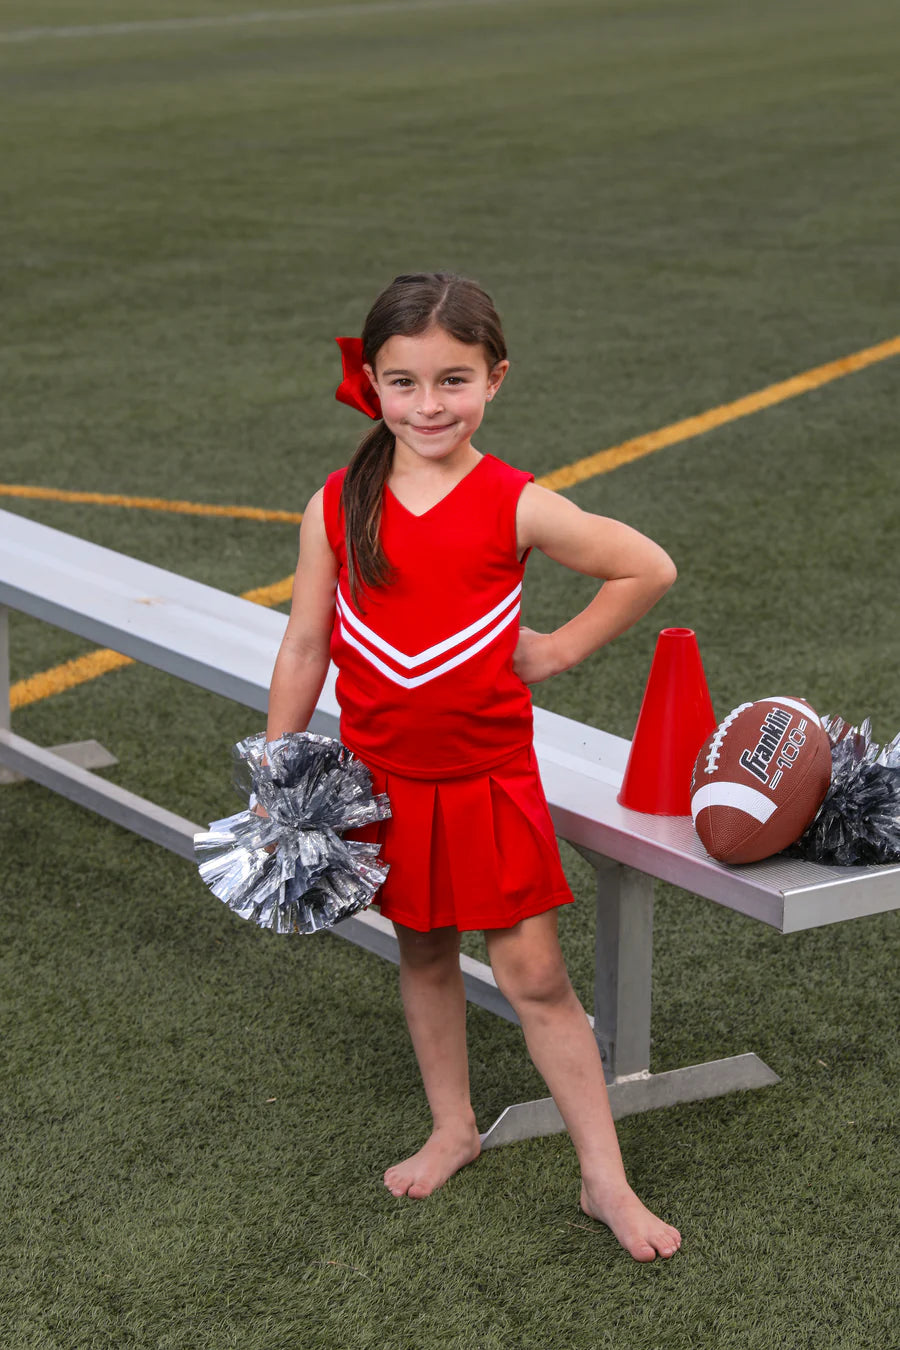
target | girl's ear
[
  {"x": 371, "y": 374},
  {"x": 496, "y": 377}
]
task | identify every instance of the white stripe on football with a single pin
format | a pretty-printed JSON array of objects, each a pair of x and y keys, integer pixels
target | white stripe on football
[{"x": 742, "y": 798}]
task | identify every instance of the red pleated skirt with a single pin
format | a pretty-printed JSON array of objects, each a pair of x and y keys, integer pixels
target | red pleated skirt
[{"x": 469, "y": 853}]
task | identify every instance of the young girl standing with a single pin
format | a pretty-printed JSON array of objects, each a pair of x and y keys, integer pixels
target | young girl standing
[{"x": 409, "y": 577}]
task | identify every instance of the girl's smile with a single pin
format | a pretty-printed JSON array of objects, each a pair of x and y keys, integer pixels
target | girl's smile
[{"x": 433, "y": 388}]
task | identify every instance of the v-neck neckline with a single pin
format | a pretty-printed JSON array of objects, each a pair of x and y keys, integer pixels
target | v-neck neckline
[{"x": 440, "y": 501}]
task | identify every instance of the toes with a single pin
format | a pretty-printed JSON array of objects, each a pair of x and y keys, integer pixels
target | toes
[
  {"x": 399, "y": 1185},
  {"x": 643, "y": 1251},
  {"x": 669, "y": 1245},
  {"x": 395, "y": 1184}
]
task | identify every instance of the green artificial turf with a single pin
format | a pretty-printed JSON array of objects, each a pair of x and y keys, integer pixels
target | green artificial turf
[{"x": 673, "y": 204}]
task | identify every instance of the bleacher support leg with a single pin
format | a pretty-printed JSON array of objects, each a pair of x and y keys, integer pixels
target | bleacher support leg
[
  {"x": 622, "y": 986},
  {"x": 5, "y": 712},
  {"x": 86, "y": 754},
  {"x": 623, "y": 966}
]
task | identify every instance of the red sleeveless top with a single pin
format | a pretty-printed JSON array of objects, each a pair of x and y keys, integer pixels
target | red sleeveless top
[{"x": 425, "y": 679}]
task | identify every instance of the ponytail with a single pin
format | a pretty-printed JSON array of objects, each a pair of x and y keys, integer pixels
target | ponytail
[{"x": 361, "y": 497}]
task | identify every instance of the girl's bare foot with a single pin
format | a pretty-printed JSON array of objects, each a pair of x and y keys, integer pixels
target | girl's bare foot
[
  {"x": 640, "y": 1232},
  {"x": 447, "y": 1149}
]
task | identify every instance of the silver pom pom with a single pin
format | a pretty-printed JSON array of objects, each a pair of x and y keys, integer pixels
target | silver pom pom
[
  {"x": 859, "y": 820},
  {"x": 289, "y": 870}
]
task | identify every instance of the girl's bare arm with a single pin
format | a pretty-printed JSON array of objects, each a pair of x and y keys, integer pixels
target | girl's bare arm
[
  {"x": 635, "y": 572},
  {"x": 302, "y": 662}
]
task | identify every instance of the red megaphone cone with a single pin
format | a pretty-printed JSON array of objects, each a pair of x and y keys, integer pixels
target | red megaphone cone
[{"x": 675, "y": 719}]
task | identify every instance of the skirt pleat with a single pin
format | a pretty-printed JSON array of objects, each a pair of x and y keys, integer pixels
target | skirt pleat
[{"x": 470, "y": 853}]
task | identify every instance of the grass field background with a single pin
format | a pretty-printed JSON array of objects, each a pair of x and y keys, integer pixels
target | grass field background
[{"x": 673, "y": 204}]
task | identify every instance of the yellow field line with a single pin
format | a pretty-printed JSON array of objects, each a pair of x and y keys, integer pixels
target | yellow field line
[
  {"x": 60, "y": 678},
  {"x": 148, "y": 503},
  {"x": 97, "y": 663},
  {"x": 602, "y": 462},
  {"x": 606, "y": 460}
]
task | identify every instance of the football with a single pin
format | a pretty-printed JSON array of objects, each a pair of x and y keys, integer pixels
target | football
[{"x": 759, "y": 779}]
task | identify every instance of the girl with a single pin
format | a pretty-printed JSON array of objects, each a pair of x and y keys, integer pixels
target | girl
[{"x": 410, "y": 570}]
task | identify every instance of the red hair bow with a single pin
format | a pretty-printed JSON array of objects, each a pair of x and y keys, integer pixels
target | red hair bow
[{"x": 356, "y": 388}]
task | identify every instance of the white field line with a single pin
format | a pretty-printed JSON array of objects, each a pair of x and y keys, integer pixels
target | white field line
[{"x": 257, "y": 16}]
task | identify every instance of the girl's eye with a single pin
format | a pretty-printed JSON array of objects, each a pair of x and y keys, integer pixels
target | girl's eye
[{"x": 404, "y": 382}]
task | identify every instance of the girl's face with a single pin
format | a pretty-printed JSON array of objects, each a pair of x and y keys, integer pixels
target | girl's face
[{"x": 433, "y": 390}]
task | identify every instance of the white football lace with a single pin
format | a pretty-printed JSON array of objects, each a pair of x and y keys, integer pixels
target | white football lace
[{"x": 715, "y": 745}]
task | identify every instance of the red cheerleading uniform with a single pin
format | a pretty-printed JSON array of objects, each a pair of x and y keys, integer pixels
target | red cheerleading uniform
[{"x": 430, "y": 703}]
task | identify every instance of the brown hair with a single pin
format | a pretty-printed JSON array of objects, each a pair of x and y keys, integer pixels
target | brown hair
[{"x": 410, "y": 305}]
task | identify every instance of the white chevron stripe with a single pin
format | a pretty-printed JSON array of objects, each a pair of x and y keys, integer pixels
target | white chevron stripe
[
  {"x": 742, "y": 798},
  {"x": 410, "y": 662},
  {"x": 413, "y": 682}
]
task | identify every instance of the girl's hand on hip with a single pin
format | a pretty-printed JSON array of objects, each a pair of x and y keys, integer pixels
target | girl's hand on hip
[{"x": 536, "y": 657}]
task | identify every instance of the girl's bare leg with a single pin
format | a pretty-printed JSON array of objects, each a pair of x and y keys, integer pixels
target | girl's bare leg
[
  {"x": 434, "y": 1001},
  {"x": 529, "y": 969}
]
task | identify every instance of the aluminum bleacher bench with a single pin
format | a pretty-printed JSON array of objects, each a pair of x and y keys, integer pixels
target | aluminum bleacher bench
[{"x": 228, "y": 646}]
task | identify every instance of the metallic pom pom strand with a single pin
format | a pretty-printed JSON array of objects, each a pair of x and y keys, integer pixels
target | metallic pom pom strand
[{"x": 290, "y": 870}]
